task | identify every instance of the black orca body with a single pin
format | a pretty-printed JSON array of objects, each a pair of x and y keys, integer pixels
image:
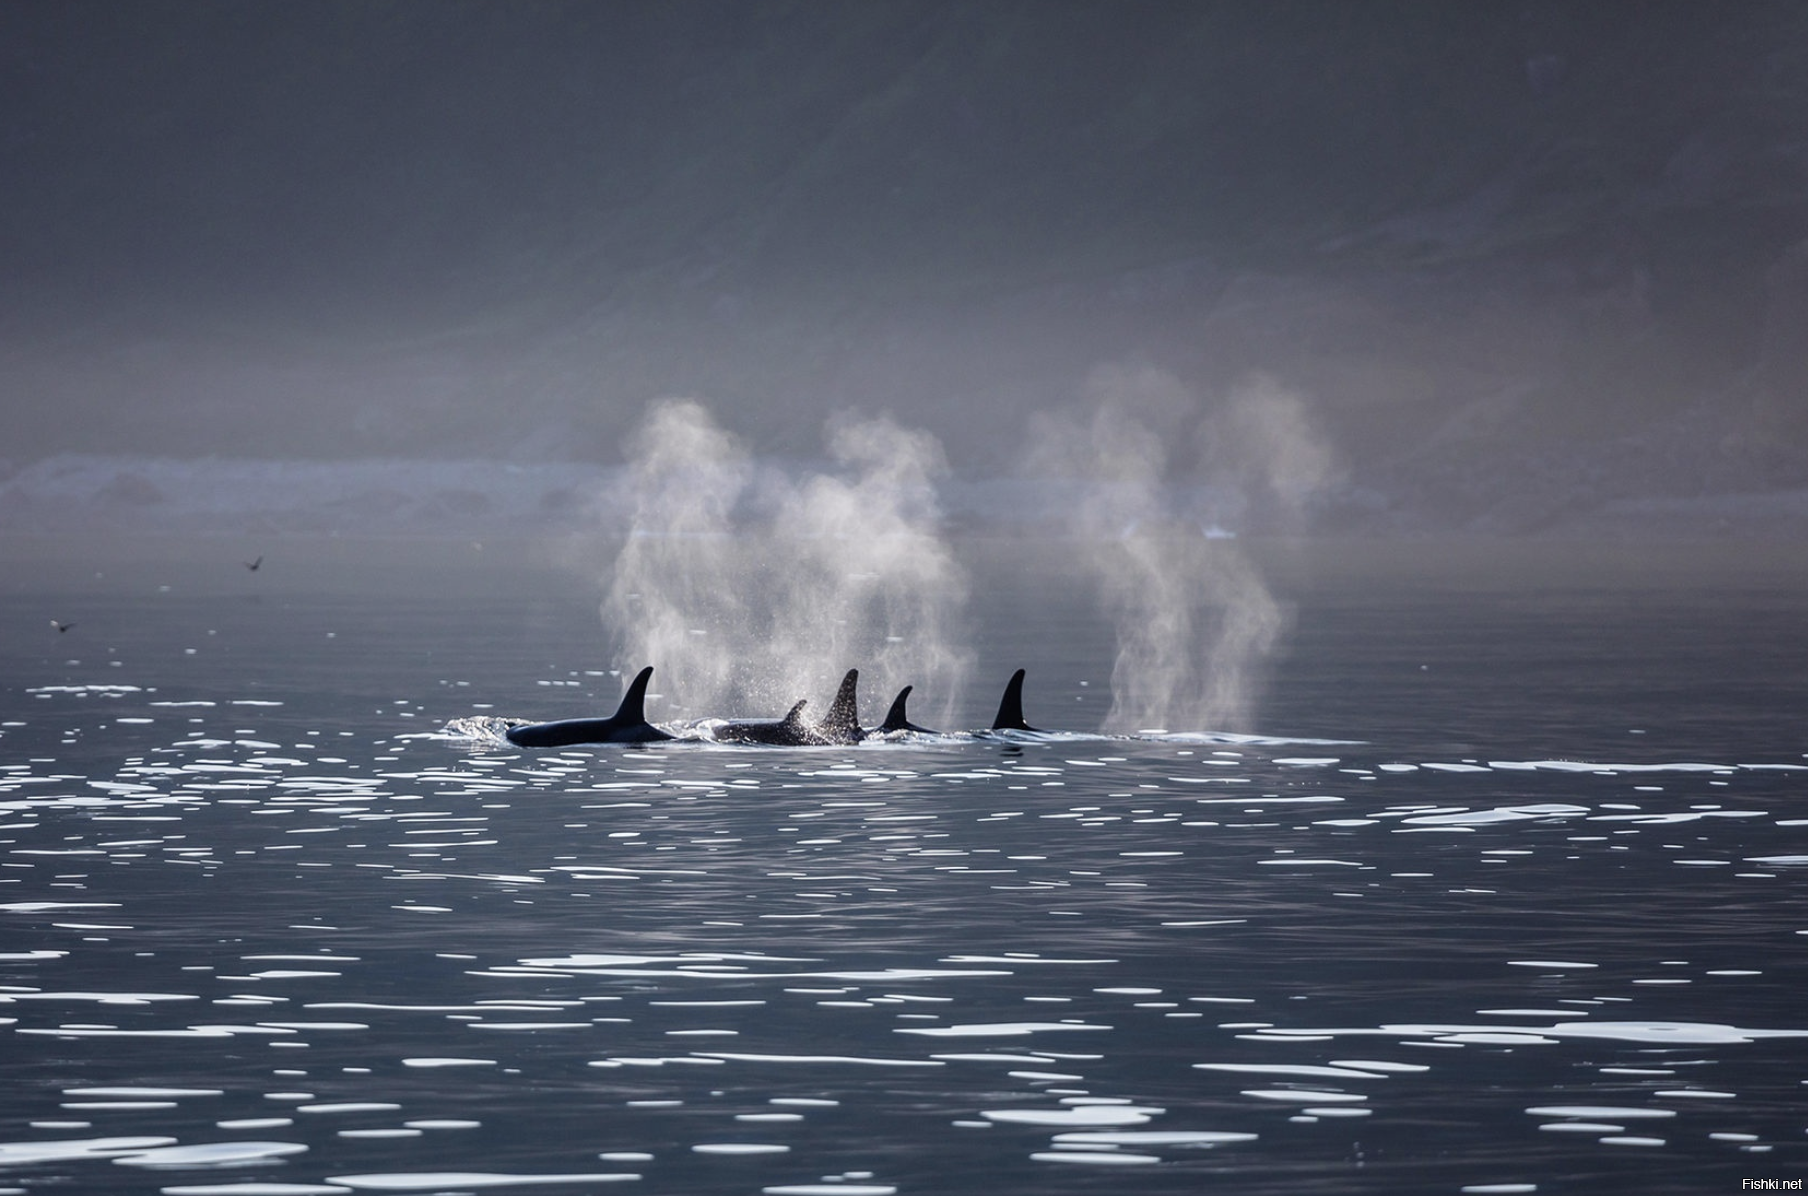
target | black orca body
[
  {"x": 897, "y": 720},
  {"x": 1010, "y": 712},
  {"x": 840, "y": 726},
  {"x": 790, "y": 731},
  {"x": 1010, "y": 707},
  {"x": 627, "y": 725},
  {"x": 842, "y": 723}
]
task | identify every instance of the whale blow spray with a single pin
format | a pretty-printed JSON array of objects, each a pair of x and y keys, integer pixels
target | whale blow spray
[
  {"x": 750, "y": 586},
  {"x": 1159, "y": 476}
]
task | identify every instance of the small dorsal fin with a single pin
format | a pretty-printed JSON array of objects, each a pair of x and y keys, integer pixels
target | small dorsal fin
[
  {"x": 895, "y": 718},
  {"x": 844, "y": 713},
  {"x": 1010, "y": 707},
  {"x": 796, "y": 715},
  {"x": 633, "y": 708}
]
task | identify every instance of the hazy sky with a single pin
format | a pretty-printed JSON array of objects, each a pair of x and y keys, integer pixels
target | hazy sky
[
  {"x": 309, "y": 154},
  {"x": 489, "y": 228}
]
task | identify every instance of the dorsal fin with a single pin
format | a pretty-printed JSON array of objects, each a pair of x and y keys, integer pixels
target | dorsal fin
[
  {"x": 843, "y": 718},
  {"x": 895, "y": 718},
  {"x": 633, "y": 708},
  {"x": 1010, "y": 707},
  {"x": 797, "y": 713}
]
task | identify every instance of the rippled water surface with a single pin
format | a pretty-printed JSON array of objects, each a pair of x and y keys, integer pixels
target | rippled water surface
[{"x": 1507, "y": 896}]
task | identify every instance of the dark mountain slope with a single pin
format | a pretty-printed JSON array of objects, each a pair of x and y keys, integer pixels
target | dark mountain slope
[{"x": 1498, "y": 246}]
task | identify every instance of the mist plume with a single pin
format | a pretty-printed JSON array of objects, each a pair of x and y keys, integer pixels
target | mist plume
[
  {"x": 1164, "y": 484},
  {"x": 750, "y": 587},
  {"x": 672, "y": 583}
]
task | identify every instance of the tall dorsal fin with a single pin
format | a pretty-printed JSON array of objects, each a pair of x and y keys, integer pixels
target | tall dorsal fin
[
  {"x": 633, "y": 708},
  {"x": 895, "y": 718},
  {"x": 796, "y": 716},
  {"x": 1010, "y": 707},
  {"x": 843, "y": 718}
]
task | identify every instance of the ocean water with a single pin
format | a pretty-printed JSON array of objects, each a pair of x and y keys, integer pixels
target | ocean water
[{"x": 1503, "y": 892}]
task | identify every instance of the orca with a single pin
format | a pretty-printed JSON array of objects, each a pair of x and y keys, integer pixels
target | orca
[
  {"x": 897, "y": 720},
  {"x": 840, "y": 726},
  {"x": 1010, "y": 707},
  {"x": 788, "y": 731},
  {"x": 1010, "y": 712},
  {"x": 842, "y": 723},
  {"x": 627, "y": 725}
]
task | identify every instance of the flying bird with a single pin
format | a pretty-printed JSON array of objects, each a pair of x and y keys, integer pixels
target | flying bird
[
  {"x": 61, "y": 627},
  {"x": 252, "y": 565}
]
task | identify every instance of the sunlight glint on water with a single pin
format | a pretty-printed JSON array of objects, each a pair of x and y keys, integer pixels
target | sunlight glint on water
[{"x": 273, "y": 926}]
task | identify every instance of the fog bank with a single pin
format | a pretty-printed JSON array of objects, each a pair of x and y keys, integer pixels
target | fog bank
[{"x": 1540, "y": 269}]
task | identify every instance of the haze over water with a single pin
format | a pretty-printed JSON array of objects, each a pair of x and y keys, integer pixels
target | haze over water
[
  {"x": 1479, "y": 905},
  {"x": 1380, "y": 431}
]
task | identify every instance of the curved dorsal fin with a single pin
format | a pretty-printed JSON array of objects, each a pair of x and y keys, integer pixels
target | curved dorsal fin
[
  {"x": 796, "y": 715},
  {"x": 1010, "y": 707},
  {"x": 844, "y": 713},
  {"x": 895, "y": 718},
  {"x": 633, "y": 708}
]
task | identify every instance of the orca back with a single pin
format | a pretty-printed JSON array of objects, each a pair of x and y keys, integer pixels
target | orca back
[
  {"x": 842, "y": 723},
  {"x": 789, "y": 731},
  {"x": 897, "y": 720},
  {"x": 627, "y": 725},
  {"x": 794, "y": 717},
  {"x": 633, "y": 709},
  {"x": 1010, "y": 707}
]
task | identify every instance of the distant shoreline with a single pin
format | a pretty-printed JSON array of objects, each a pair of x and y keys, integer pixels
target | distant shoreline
[{"x": 93, "y": 494}]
